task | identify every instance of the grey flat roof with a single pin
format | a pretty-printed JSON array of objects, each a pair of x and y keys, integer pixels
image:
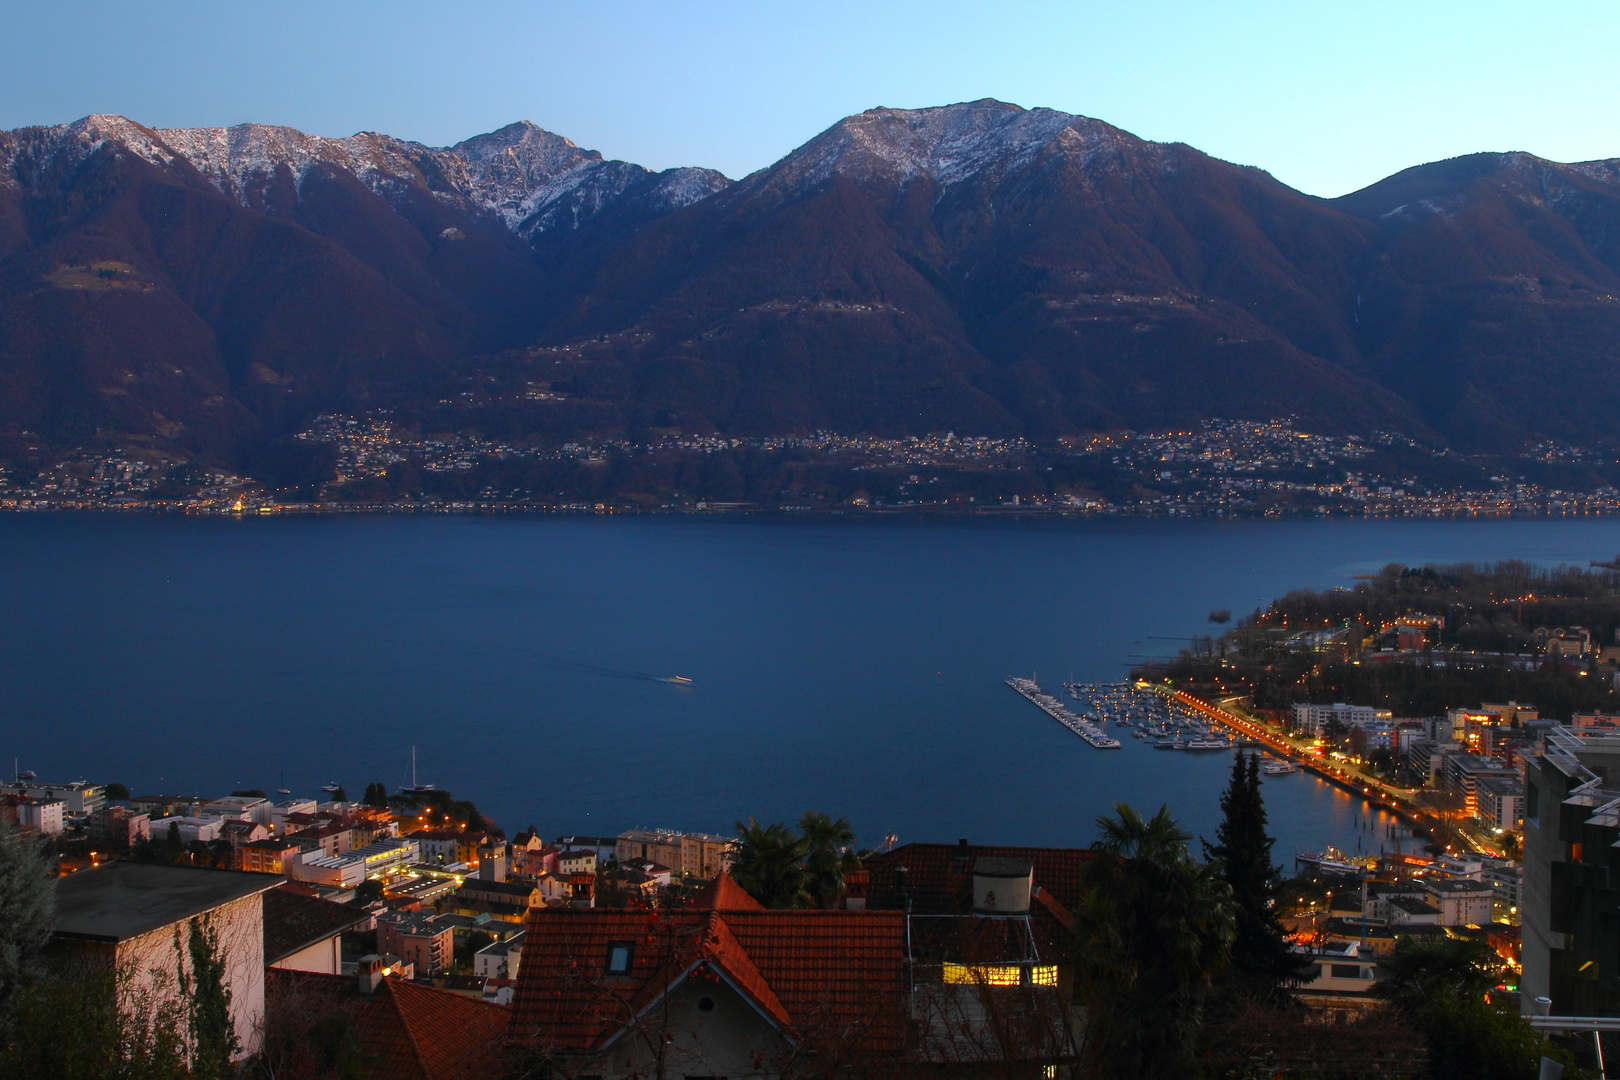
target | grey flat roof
[{"x": 123, "y": 900}]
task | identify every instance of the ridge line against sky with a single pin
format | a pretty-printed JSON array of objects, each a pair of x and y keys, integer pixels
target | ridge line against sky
[{"x": 1328, "y": 98}]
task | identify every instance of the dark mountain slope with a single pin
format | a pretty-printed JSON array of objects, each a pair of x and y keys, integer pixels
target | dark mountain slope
[
  {"x": 165, "y": 309},
  {"x": 980, "y": 268},
  {"x": 1492, "y": 299},
  {"x": 986, "y": 268},
  {"x": 212, "y": 288}
]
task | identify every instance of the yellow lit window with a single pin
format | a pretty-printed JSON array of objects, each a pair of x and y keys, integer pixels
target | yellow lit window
[{"x": 1000, "y": 975}]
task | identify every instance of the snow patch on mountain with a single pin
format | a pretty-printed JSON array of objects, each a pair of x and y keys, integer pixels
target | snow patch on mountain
[
  {"x": 1603, "y": 170},
  {"x": 680, "y": 188},
  {"x": 948, "y": 144},
  {"x": 530, "y": 178}
]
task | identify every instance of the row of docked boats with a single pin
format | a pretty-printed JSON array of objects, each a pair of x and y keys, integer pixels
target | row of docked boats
[
  {"x": 1148, "y": 715},
  {"x": 1085, "y": 727}
]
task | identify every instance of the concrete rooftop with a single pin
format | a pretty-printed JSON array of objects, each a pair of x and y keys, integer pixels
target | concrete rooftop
[{"x": 123, "y": 900}]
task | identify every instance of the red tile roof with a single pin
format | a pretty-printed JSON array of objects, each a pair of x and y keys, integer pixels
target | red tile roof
[
  {"x": 418, "y": 1031},
  {"x": 724, "y": 894},
  {"x": 940, "y": 879},
  {"x": 809, "y": 973},
  {"x": 409, "y": 1032}
]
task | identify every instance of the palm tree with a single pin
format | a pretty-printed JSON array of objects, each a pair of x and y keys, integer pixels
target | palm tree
[
  {"x": 1440, "y": 987},
  {"x": 1153, "y": 928},
  {"x": 1418, "y": 973},
  {"x": 766, "y": 863},
  {"x": 829, "y": 848}
]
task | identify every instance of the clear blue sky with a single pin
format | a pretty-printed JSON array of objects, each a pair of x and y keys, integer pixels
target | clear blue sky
[{"x": 1328, "y": 96}]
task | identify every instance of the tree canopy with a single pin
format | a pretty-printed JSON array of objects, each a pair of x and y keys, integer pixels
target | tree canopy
[
  {"x": 1262, "y": 961},
  {"x": 27, "y": 912},
  {"x": 767, "y": 863},
  {"x": 1152, "y": 931}
]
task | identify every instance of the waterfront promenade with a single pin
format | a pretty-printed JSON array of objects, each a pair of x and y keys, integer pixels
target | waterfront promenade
[{"x": 1401, "y": 802}]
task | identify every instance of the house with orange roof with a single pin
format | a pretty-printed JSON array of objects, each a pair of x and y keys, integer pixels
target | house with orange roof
[
  {"x": 721, "y": 988},
  {"x": 728, "y": 988}
]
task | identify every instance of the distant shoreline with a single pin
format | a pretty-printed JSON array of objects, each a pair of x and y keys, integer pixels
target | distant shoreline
[{"x": 745, "y": 510}]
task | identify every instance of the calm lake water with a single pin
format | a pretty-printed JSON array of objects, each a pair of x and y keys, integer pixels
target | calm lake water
[{"x": 849, "y": 666}]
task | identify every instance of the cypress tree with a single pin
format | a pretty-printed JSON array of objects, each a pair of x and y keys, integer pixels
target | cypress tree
[{"x": 1261, "y": 960}]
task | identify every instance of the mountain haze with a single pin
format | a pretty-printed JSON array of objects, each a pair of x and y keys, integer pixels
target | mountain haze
[{"x": 979, "y": 267}]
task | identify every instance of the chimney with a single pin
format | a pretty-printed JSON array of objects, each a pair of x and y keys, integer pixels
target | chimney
[
  {"x": 855, "y": 883},
  {"x": 963, "y": 854},
  {"x": 902, "y": 894},
  {"x": 370, "y": 969},
  {"x": 1002, "y": 886}
]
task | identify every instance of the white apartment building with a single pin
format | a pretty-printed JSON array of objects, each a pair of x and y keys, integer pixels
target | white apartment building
[
  {"x": 279, "y": 812},
  {"x": 1313, "y": 720},
  {"x": 201, "y": 829},
  {"x": 239, "y": 808},
  {"x": 44, "y": 816},
  {"x": 1461, "y": 903},
  {"x": 500, "y": 959},
  {"x": 336, "y": 871},
  {"x": 79, "y": 798}
]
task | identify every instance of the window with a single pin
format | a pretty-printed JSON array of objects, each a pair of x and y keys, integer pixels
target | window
[
  {"x": 1347, "y": 971},
  {"x": 1532, "y": 803},
  {"x": 619, "y": 956},
  {"x": 1001, "y": 975}
]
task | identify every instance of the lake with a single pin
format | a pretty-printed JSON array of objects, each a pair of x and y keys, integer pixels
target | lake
[{"x": 853, "y": 666}]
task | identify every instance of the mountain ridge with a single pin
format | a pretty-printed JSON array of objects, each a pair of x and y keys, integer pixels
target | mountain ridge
[{"x": 975, "y": 267}]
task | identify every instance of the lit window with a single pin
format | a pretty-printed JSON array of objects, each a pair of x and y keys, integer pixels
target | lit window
[{"x": 1001, "y": 975}]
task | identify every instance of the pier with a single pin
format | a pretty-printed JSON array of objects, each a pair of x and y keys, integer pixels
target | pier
[{"x": 1031, "y": 691}]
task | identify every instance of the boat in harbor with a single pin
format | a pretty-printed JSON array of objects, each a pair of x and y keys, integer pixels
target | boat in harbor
[
  {"x": 1279, "y": 768},
  {"x": 1333, "y": 862},
  {"x": 415, "y": 788}
]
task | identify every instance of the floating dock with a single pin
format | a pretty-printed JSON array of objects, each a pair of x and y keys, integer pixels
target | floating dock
[{"x": 1031, "y": 691}]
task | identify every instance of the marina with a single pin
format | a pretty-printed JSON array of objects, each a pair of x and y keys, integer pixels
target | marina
[
  {"x": 1085, "y": 727},
  {"x": 1148, "y": 715}
]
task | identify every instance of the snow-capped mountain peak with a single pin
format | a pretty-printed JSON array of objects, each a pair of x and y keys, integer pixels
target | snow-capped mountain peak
[
  {"x": 520, "y": 173},
  {"x": 946, "y": 144}
]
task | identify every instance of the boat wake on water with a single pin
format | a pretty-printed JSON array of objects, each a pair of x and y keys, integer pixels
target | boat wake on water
[{"x": 617, "y": 673}]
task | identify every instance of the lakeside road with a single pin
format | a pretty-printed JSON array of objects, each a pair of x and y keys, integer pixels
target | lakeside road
[{"x": 1397, "y": 800}]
